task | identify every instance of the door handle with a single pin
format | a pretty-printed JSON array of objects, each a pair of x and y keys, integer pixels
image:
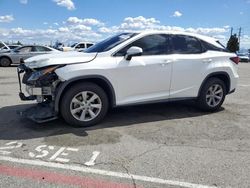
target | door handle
[
  {"x": 167, "y": 61},
  {"x": 207, "y": 61}
]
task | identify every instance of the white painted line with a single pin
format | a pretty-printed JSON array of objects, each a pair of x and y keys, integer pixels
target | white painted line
[
  {"x": 244, "y": 85},
  {"x": 102, "y": 172}
]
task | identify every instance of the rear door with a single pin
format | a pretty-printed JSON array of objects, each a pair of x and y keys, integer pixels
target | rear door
[
  {"x": 21, "y": 53},
  {"x": 190, "y": 62}
]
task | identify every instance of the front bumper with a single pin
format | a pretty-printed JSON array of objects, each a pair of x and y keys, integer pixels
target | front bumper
[
  {"x": 40, "y": 113},
  {"x": 20, "y": 70},
  {"x": 44, "y": 111}
]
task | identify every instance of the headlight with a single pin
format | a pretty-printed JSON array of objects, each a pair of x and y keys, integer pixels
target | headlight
[{"x": 38, "y": 74}]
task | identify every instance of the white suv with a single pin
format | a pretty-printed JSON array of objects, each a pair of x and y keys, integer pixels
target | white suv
[
  {"x": 78, "y": 46},
  {"x": 128, "y": 69}
]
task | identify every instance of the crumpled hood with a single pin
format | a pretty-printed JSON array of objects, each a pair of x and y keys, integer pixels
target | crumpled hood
[{"x": 59, "y": 59}]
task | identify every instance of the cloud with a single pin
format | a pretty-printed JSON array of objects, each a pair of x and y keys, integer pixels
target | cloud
[
  {"x": 80, "y": 28},
  {"x": 177, "y": 14},
  {"x": 65, "y": 3},
  {"x": 86, "y": 21},
  {"x": 6, "y": 19},
  {"x": 76, "y": 29},
  {"x": 245, "y": 41},
  {"x": 138, "y": 23},
  {"x": 23, "y": 1},
  {"x": 63, "y": 29}
]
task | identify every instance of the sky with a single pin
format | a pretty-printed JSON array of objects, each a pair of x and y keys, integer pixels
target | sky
[{"x": 69, "y": 21}]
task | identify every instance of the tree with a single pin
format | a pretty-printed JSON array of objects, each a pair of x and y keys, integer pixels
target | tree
[
  {"x": 233, "y": 43},
  {"x": 19, "y": 43}
]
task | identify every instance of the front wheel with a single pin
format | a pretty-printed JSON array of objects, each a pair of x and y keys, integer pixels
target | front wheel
[
  {"x": 212, "y": 95},
  {"x": 84, "y": 105}
]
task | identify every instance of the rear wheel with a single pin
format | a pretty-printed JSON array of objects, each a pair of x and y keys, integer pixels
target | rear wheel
[
  {"x": 5, "y": 62},
  {"x": 84, "y": 105},
  {"x": 212, "y": 95}
]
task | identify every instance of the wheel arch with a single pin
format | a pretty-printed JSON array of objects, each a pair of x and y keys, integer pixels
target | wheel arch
[
  {"x": 4, "y": 56},
  {"x": 101, "y": 81},
  {"x": 224, "y": 76}
]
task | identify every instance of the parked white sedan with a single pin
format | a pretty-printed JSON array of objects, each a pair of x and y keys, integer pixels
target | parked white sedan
[{"x": 14, "y": 56}]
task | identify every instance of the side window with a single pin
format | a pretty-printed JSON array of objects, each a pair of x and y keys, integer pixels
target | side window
[
  {"x": 151, "y": 45},
  {"x": 80, "y": 46},
  {"x": 25, "y": 49},
  {"x": 88, "y": 45},
  {"x": 41, "y": 49},
  {"x": 211, "y": 47},
  {"x": 182, "y": 44}
]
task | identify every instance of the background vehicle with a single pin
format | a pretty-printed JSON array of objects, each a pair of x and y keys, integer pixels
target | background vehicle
[
  {"x": 244, "y": 57},
  {"x": 4, "y": 47},
  {"x": 78, "y": 46},
  {"x": 129, "y": 69},
  {"x": 58, "y": 46},
  {"x": 13, "y": 46},
  {"x": 14, "y": 56}
]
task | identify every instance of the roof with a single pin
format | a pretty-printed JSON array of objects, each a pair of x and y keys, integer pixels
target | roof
[{"x": 202, "y": 37}]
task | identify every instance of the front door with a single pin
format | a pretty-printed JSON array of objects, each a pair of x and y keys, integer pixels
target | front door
[{"x": 146, "y": 77}]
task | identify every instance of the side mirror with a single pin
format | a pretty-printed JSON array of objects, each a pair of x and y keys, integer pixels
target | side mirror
[{"x": 133, "y": 51}]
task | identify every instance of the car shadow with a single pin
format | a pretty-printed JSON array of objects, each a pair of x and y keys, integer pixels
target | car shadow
[{"x": 14, "y": 127}]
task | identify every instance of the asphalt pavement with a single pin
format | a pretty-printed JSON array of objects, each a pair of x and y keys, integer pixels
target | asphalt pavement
[{"x": 158, "y": 145}]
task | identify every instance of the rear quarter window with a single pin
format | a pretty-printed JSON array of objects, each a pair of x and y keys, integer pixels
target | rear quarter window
[{"x": 212, "y": 47}]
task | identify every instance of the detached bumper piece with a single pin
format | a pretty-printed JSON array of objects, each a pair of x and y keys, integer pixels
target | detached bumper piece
[
  {"x": 40, "y": 113},
  {"x": 20, "y": 70}
]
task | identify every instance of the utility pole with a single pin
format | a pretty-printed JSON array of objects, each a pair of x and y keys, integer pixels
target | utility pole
[{"x": 239, "y": 36}]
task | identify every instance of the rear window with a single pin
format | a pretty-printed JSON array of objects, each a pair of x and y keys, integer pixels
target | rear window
[{"x": 212, "y": 47}]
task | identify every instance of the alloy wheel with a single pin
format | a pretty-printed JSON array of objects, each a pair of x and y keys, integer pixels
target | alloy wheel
[
  {"x": 85, "y": 106},
  {"x": 214, "y": 95}
]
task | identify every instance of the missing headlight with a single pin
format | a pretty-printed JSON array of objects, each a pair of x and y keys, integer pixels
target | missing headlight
[{"x": 44, "y": 77}]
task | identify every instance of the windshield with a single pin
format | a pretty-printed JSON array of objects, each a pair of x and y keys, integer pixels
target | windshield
[
  {"x": 73, "y": 45},
  {"x": 110, "y": 43},
  {"x": 2, "y": 46}
]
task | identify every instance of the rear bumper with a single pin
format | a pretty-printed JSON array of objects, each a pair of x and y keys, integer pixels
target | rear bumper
[{"x": 233, "y": 83}]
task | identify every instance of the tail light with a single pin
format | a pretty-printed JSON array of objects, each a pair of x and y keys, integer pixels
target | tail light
[{"x": 236, "y": 60}]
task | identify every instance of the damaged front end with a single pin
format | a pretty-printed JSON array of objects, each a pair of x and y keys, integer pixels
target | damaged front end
[{"x": 41, "y": 84}]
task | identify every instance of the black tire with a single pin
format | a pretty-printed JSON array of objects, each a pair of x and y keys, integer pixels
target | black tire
[
  {"x": 5, "y": 62},
  {"x": 66, "y": 104},
  {"x": 203, "y": 100}
]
